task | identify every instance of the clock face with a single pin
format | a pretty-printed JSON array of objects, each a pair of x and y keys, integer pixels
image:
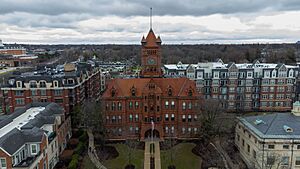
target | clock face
[{"x": 151, "y": 61}]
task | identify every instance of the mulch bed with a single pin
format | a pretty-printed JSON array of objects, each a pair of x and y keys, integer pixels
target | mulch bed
[{"x": 107, "y": 152}]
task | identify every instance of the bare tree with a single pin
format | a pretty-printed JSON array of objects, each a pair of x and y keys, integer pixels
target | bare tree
[{"x": 209, "y": 112}]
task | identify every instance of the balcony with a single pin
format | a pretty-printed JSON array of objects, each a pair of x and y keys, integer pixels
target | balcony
[{"x": 28, "y": 161}]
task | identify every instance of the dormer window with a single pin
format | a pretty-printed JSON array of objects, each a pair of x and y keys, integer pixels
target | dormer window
[
  {"x": 190, "y": 93},
  {"x": 32, "y": 84},
  {"x": 169, "y": 92},
  {"x": 113, "y": 92},
  {"x": 55, "y": 83},
  {"x": 42, "y": 84},
  {"x": 19, "y": 84}
]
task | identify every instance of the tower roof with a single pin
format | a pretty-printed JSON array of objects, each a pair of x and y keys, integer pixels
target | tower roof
[{"x": 151, "y": 40}]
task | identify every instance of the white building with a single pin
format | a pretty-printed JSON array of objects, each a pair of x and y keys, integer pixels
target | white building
[{"x": 270, "y": 141}]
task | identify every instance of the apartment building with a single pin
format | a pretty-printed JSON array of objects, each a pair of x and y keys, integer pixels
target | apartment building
[
  {"x": 67, "y": 85},
  {"x": 243, "y": 87},
  {"x": 34, "y": 136},
  {"x": 270, "y": 141}
]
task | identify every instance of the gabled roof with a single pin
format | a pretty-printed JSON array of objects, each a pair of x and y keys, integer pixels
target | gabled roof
[
  {"x": 123, "y": 86},
  {"x": 15, "y": 139}
]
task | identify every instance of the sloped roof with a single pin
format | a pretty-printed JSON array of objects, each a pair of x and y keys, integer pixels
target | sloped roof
[
  {"x": 272, "y": 125},
  {"x": 123, "y": 86},
  {"x": 15, "y": 139},
  {"x": 151, "y": 40}
]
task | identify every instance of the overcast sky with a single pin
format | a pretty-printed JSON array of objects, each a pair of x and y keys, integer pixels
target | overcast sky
[{"x": 125, "y": 21}]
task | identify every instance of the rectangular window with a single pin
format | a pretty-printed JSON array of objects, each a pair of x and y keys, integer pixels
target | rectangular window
[
  {"x": 3, "y": 163},
  {"x": 19, "y": 92},
  {"x": 20, "y": 101},
  {"x": 33, "y": 92},
  {"x": 172, "y": 117},
  {"x": 33, "y": 149},
  {"x": 271, "y": 146},
  {"x": 297, "y": 162},
  {"x": 286, "y": 147},
  {"x": 254, "y": 154},
  {"x": 57, "y": 92},
  {"x": 285, "y": 160},
  {"x": 167, "y": 117},
  {"x": 43, "y": 92}
]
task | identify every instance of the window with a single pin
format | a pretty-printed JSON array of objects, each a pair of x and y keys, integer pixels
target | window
[
  {"x": 3, "y": 163},
  {"x": 43, "y": 92},
  {"x": 57, "y": 92},
  {"x": 189, "y": 118},
  {"x": 136, "y": 105},
  {"x": 183, "y": 106},
  {"x": 58, "y": 100},
  {"x": 183, "y": 130},
  {"x": 55, "y": 83},
  {"x": 298, "y": 146},
  {"x": 183, "y": 118},
  {"x": 248, "y": 148},
  {"x": 33, "y": 92},
  {"x": 297, "y": 162},
  {"x": 285, "y": 146},
  {"x": 32, "y": 84},
  {"x": 167, "y": 117},
  {"x": 271, "y": 146},
  {"x": 167, "y": 104},
  {"x": 130, "y": 105},
  {"x": 136, "y": 117},
  {"x": 19, "y": 84},
  {"x": 33, "y": 149},
  {"x": 172, "y": 104},
  {"x": 20, "y": 101},
  {"x": 119, "y": 106},
  {"x": 130, "y": 117},
  {"x": 172, "y": 117},
  {"x": 190, "y": 93},
  {"x": 42, "y": 84},
  {"x": 190, "y": 106},
  {"x": 254, "y": 154},
  {"x": 19, "y": 92},
  {"x": 285, "y": 160}
]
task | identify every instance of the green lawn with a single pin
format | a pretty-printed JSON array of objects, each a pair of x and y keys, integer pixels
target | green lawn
[
  {"x": 87, "y": 163},
  {"x": 122, "y": 160},
  {"x": 183, "y": 157}
]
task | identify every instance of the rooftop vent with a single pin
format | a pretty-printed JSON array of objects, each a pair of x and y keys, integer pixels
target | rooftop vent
[
  {"x": 258, "y": 122},
  {"x": 287, "y": 129}
]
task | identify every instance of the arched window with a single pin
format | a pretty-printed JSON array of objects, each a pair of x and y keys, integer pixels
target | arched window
[
  {"x": 183, "y": 106},
  {"x": 190, "y": 93},
  {"x": 190, "y": 105},
  {"x": 167, "y": 104},
  {"x": 119, "y": 106},
  {"x": 169, "y": 92},
  {"x": 113, "y": 92}
]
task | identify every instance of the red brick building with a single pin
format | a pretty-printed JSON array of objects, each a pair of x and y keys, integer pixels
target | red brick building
[
  {"x": 68, "y": 88},
  {"x": 133, "y": 104}
]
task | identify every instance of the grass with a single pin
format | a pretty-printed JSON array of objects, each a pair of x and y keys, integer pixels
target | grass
[
  {"x": 183, "y": 157},
  {"x": 122, "y": 160},
  {"x": 87, "y": 163}
]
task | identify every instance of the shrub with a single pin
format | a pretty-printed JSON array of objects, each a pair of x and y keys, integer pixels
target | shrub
[
  {"x": 74, "y": 162},
  {"x": 80, "y": 148},
  {"x": 83, "y": 137}
]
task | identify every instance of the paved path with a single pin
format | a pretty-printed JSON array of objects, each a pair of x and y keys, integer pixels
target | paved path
[
  {"x": 92, "y": 152},
  {"x": 148, "y": 155}
]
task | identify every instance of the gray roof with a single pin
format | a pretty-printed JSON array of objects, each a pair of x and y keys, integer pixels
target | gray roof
[
  {"x": 271, "y": 125},
  {"x": 31, "y": 131},
  {"x": 15, "y": 139}
]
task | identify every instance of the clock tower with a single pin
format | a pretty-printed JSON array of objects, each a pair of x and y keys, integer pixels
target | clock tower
[{"x": 151, "y": 56}]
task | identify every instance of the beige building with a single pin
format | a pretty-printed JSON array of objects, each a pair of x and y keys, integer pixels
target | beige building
[{"x": 270, "y": 141}]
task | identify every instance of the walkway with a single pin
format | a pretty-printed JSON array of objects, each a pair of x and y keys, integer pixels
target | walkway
[
  {"x": 92, "y": 151},
  {"x": 148, "y": 155}
]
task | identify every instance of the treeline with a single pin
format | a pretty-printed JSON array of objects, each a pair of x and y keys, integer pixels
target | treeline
[{"x": 240, "y": 53}]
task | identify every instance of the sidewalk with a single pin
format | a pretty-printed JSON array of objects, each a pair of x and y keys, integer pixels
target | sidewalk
[
  {"x": 148, "y": 155},
  {"x": 92, "y": 152}
]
